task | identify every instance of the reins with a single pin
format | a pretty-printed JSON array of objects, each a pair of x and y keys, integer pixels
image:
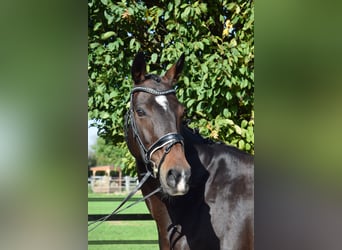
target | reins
[{"x": 94, "y": 224}]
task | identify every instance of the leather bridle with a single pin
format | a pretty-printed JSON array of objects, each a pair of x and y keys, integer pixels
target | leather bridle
[{"x": 166, "y": 141}]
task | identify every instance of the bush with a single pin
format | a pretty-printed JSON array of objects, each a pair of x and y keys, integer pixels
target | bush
[{"x": 217, "y": 85}]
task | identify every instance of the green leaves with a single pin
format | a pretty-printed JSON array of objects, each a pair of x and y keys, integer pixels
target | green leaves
[
  {"x": 154, "y": 58},
  {"x": 107, "y": 35},
  {"x": 217, "y": 84}
]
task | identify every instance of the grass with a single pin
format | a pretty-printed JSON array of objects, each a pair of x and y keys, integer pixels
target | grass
[{"x": 125, "y": 235}]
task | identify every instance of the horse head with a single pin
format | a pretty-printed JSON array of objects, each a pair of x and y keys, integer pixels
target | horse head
[{"x": 153, "y": 127}]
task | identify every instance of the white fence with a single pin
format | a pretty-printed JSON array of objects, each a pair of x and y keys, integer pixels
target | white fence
[{"x": 106, "y": 184}]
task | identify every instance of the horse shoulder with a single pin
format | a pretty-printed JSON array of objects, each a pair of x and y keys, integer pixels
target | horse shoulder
[{"x": 229, "y": 192}]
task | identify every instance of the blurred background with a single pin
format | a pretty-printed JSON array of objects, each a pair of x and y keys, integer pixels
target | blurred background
[{"x": 43, "y": 125}]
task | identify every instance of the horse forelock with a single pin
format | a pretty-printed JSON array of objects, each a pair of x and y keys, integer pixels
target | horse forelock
[
  {"x": 154, "y": 81},
  {"x": 154, "y": 77}
]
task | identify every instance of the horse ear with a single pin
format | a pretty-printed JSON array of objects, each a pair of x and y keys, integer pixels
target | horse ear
[
  {"x": 174, "y": 72},
  {"x": 139, "y": 68}
]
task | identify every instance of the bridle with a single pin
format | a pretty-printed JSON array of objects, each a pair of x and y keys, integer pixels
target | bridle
[{"x": 166, "y": 141}]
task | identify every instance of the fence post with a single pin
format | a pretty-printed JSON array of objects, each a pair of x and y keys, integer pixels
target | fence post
[{"x": 127, "y": 182}]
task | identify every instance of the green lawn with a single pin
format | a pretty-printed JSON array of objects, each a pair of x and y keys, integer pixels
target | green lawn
[{"x": 125, "y": 235}]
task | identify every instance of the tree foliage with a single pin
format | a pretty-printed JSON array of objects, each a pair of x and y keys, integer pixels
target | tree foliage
[
  {"x": 217, "y": 85},
  {"x": 108, "y": 154}
]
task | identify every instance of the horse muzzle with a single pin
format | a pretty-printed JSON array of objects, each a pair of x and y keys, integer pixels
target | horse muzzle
[{"x": 177, "y": 181}]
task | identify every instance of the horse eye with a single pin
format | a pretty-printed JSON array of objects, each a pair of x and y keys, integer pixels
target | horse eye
[{"x": 140, "y": 112}]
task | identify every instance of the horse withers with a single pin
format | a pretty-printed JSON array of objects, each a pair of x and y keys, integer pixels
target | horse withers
[{"x": 207, "y": 188}]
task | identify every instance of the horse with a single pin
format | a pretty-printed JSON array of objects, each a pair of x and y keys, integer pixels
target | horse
[{"x": 206, "y": 197}]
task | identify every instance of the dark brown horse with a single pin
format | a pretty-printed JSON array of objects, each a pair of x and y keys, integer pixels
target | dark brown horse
[{"x": 207, "y": 193}]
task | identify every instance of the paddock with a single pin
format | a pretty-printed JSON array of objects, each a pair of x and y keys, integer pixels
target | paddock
[{"x": 131, "y": 229}]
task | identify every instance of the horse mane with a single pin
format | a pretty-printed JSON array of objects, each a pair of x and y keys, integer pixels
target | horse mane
[{"x": 194, "y": 134}]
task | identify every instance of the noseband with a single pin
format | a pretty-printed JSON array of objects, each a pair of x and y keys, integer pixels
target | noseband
[{"x": 166, "y": 141}]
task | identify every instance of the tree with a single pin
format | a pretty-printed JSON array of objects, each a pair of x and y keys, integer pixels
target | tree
[
  {"x": 91, "y": 160},
  {"x": 110, "y": 154},
  {"x": 217, "y": 85}
]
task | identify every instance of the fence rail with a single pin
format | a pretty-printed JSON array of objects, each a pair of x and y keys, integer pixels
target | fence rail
[
  {"x": 116, "y": 217},
  {"x": 107, "y": 184},
  {"x": 119, "y": 217}
]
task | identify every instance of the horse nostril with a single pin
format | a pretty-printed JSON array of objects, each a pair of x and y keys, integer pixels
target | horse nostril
[
  {"x": 175, "y": 177},
  {"x": 172, "y": 177}
]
